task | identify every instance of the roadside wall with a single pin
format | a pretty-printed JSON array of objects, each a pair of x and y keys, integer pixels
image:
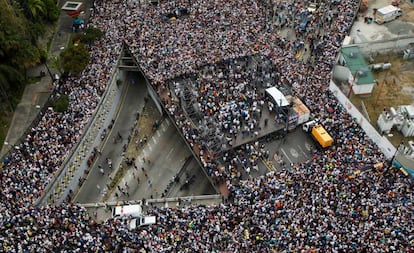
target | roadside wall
[
  {"x": 67, "y": 178},
  {"x": 395, "y": 45},
  {"x": 383, "y": 143}
]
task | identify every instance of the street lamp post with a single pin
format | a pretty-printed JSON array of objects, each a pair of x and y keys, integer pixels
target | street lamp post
[{"x": 394, "y": 156}]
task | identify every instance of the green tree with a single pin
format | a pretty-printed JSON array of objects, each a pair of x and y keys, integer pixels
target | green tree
[
  {"x": 90, "y": 35},
  {"x": 35, "y": 31},
  {"x": 17, "y": 38},
  {"x": 52, "y": 10},
  {"x": 10, "y": 82},
  {"x": 56, "y": 63},
  {"x": 75, "y": 58},
  {"x": 61, "y": 104},
  {"x": 36, "y": 9},
  {"x": 21, "y": 28}
]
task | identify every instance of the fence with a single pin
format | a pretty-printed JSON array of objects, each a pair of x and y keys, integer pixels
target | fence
[
  {"x": 394, "y": 45},
  {"x": 214, "y": 197}
]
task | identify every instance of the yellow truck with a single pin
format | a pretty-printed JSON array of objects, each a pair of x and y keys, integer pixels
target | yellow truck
[{"x": 318, "y": 133}]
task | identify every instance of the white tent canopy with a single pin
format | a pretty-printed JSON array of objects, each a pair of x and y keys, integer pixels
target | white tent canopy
[{"x": 277, "y": 96}]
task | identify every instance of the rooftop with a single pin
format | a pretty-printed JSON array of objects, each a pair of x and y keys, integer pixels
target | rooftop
[
  {"x": 356, "y": 64},
  {"x": 72, "y": 6}
]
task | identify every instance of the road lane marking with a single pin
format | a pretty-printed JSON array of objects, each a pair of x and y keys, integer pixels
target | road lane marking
[
  {"x": 286, "y": 155},
  {"x": 269, "y": 166},
  {"x": 169, "y": 153},
  {"x": 300, "y": 148},
  {"x": 164, "y": 127},
  {"x": 294, "y": 153}
]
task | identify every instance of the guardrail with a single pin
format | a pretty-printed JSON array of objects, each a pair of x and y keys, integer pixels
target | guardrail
[{"x": 154, "y": 201}]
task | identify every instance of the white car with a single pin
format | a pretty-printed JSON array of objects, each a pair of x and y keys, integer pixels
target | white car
[{"x": 142, "y": 221}]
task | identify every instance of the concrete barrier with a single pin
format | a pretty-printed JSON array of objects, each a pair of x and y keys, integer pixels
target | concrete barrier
[
  {"x": 394, "y": 45},
  {"x": 60, "y": 187},
  {"x": 214, "y": 197}
]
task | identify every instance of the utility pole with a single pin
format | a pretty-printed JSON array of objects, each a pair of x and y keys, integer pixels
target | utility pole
[{"x": 394, "y": 156}]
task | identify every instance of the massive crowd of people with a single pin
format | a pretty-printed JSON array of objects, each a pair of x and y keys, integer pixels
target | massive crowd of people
[
  {"x": 30, "y": 166},
  {"x": 341, "y": 200}
]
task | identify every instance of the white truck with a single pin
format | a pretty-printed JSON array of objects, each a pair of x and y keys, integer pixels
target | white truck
[
  {"x": 387, "y": 14},
  {"x": 127, "y": 210}
]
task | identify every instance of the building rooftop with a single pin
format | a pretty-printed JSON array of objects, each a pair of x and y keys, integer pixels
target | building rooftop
[
  {"x": 72, "y": 6},
  {"x": 356, "y": 63}
]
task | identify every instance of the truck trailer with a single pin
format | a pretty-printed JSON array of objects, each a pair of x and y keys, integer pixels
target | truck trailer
[
  {"x": 387, "y": 14},
  {"x": 127, "y": 210},
  {"x": 318, "y": 133}
]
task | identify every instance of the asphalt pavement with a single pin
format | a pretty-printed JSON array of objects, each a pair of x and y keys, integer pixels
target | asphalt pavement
[
  {"x": 134, "y": 91},
  {"x": 296, "y": 147},
  {"x": 163, "y": 157}
]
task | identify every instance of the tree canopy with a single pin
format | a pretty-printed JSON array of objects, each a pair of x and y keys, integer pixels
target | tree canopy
[
  {"x": 90, "y": 35},
  {"x": 75, "y": 58},
  {"x": 22, "y": 23},
  {"x": 37, "y": 10}
]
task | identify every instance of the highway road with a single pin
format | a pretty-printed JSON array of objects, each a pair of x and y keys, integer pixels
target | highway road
[
  {"x": 134, "y": 91},
  {"x": 166, "y": 150},
  {"x": 168, "y": 154}
]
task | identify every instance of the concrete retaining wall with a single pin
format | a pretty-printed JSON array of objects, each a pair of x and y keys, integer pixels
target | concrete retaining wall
[
  {"x": 395, "y": 45},
  {"x": 75, "y": 166}
]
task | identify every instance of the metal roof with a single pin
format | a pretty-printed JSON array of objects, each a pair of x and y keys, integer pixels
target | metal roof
[{"x": 355, "y": 62}]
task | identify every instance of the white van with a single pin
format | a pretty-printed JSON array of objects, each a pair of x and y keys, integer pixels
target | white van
[
  {"x": 387, "y": 14},
  {"x": 142, "y": 221},
  {"x": 127, "y": 210}
]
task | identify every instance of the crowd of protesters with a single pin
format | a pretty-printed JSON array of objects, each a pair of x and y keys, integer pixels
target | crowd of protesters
[
  {"x": 344, "y": 199},
  {"x": 30, "y": 166}
]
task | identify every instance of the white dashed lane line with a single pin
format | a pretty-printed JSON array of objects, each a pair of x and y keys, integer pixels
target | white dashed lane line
[{"x": 283, "y": 151}]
